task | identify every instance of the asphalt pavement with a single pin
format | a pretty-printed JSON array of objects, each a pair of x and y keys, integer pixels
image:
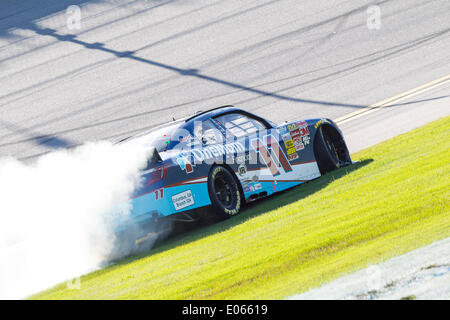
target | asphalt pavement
[{"x": 134, "y": 64}]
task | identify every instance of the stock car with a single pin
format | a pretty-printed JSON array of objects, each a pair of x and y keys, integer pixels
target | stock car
[{"x": 225, "y": 157}]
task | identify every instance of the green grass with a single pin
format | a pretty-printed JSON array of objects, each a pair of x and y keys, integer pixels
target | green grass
[{"x": 395, "y": 200}]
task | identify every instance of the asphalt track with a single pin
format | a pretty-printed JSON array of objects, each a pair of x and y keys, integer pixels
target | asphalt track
[{"x": 135, "y": 64}]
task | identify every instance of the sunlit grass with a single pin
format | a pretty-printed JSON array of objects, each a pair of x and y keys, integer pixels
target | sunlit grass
[{"x": 395, "y": 200}]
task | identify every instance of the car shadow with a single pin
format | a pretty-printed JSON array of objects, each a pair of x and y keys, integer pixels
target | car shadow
[{"x": 252, "y": 210}]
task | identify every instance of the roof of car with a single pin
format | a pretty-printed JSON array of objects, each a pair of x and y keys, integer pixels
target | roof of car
[
  {"x": 199, "y": 116},
  {"x": 211, "y": 112}
]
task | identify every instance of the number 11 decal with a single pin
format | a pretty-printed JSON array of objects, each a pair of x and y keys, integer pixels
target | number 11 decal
[{"x": 272, "y": 162}]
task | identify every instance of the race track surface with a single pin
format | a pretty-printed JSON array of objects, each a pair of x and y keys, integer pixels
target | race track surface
[{"x": 135, "y": 64}]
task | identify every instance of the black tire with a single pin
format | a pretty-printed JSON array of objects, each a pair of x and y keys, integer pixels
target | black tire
[
  {"x": 325, "y": 150},
  {"x": 224, "y": 192}
]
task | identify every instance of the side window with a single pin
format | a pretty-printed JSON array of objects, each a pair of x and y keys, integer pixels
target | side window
[
  {"x": 239, "y": 124},
  {"x": 208, "y": 133}
]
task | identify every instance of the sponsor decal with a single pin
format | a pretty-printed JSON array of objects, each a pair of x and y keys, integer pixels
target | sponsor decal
[
  {"x": 292, "y": 126},
  {"x": 183, "y": 200},
  {"x": 321, "y": 121},
  {"x": 283, "y": 130},
  {"x": 306, "y": 140},
  {"x": 252, "y": 186},
  {"x": 285, "y": 136},
  {"x": 291, "y": 151},
  {"x": 298, "y": 143},
  {"x": 297, "y": 140},
  {"x": 303, "y": 127},
  {"x": 289, "y": 143},
  {"x": 187, "y": 160},
  {"x": 242, "y": 170},
  {"x": 295, "y": 133},
  {"x": 293, "y": 156},
  {"x": 184, "y": 163},
  {"x": 303, "y": 132},
  {"x": 215, "y": 151}
]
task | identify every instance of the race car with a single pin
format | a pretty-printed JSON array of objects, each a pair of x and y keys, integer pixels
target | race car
[{"x": 225, "y": 157}]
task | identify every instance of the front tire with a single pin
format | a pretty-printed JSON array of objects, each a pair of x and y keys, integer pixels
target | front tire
[
  {"x": 224, "y": 192},
  {"x": 329, "y": 149}
]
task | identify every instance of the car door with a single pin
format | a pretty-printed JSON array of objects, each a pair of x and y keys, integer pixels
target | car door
[{"x": 257, "y": 168}]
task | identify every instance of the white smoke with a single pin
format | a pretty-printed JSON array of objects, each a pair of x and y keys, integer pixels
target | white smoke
[{"x": 56, "y": 214}]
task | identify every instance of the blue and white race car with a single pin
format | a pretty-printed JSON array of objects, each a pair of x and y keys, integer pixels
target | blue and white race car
[{"x": 225, "y": 157}]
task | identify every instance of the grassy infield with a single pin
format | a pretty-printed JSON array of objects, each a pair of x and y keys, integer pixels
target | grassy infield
[{"x": 395, "y": 200}]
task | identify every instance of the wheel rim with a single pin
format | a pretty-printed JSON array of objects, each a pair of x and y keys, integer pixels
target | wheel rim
[
  {"x": 223, "y": 190},
  {"x": 332, "y": 150}
]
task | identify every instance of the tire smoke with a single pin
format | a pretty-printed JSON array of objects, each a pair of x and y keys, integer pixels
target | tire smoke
[{"x": 57, "y": 214}]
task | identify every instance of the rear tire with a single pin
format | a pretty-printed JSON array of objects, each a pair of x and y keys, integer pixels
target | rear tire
[{"x": 224, "y": 192}]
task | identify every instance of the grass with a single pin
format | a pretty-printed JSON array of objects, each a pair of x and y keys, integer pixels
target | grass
[
  {"x": 411, "y": 297},
  {"x": 393, "y": 201}
]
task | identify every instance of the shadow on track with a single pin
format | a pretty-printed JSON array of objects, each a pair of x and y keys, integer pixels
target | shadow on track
[
  {"x": 48, "y": 140},
  {"x": 196, "y": 73},
  {"x": 181, "y": 71},
  {"x": 25, "y": 14}
]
